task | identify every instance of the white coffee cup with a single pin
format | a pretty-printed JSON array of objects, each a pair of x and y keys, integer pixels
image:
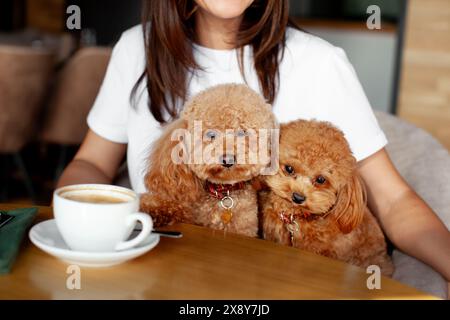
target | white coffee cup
[{"x": 99, "y": 218}]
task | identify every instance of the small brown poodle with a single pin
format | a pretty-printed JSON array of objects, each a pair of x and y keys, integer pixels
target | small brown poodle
[
  {"x": 201, "y": 168},
  {"x": 317, "y": 200}
]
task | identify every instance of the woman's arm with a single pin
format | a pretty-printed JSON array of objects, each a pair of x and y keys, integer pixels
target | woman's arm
[
  {"x": 405, "y": 218},
  {"x": 97, "y": 161}
]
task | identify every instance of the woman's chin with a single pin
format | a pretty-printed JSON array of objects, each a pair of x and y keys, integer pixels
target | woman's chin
[{"x": 225, "y": 9}]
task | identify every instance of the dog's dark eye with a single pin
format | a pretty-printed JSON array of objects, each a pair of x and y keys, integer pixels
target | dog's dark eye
[
  {"x": 210, "y": 134},
  {"x": 289, "y": 169},
  {"x": 320, "y": 180}
]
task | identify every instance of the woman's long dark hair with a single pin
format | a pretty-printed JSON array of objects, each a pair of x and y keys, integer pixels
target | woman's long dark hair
[{"x": 169, "y": 31}]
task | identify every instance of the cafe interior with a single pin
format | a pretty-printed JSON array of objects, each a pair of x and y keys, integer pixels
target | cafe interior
[{"x": 50, "y": 76}]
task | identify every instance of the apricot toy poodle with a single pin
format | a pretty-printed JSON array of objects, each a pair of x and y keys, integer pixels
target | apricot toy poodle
[
  {"x": 316, "y": 201},
  {"x": 200, "y": 170}
]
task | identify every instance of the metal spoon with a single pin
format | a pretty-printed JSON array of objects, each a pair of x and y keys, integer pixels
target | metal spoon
[{"x": 168, "y": 234}]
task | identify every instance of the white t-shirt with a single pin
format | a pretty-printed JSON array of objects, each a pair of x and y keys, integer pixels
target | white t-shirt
[{"x": 316, "y": 82}]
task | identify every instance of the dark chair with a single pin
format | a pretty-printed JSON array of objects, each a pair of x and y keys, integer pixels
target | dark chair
[
  {"x": 74, "y": 93},
  {"x": 25, "y": 73}
]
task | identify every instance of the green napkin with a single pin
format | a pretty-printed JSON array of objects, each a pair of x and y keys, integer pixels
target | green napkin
[{"x": 11, "y": 236}]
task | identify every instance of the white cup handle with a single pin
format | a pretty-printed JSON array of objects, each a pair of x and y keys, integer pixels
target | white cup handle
[{"x": 147, "y": 227}]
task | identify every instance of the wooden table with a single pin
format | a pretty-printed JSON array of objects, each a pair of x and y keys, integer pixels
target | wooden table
[{"x": 204, "y": 264}]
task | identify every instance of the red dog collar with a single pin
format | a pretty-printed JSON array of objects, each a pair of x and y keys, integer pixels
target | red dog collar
[
  {"x": 220, "y": 191},
  {"x": 290, "y": 218}
]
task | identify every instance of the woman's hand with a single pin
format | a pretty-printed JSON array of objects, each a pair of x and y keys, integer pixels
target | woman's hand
[
  {"x": 405, "y": 218},
  {"x": 97, "y": 161}
]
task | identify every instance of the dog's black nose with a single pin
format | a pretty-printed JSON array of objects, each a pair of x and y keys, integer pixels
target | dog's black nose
[
  {"x": 298, "y": 198},
  {"x": 227, "y": 160}
]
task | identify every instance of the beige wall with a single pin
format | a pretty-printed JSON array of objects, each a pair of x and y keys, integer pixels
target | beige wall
[{"x": 425, "y": 83}]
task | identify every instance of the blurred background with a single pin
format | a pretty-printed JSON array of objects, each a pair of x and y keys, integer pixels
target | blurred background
[{"x": 49, "y": 76}]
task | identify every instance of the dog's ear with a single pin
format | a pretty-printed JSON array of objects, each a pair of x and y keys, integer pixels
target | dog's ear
[
  {"x": 168, "y": 173},
  {"x": 351, "y": 204}
]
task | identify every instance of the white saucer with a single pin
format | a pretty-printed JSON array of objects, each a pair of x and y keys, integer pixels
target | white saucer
[{"x": 45, "y": 236}]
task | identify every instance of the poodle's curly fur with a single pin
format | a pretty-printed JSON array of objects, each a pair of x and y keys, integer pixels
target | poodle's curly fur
[
  {"x": 330, "y": 210},
  {"x": 176, "y": 192}
]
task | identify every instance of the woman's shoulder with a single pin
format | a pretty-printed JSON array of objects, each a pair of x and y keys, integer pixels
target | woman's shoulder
[
  {"x": 304, "y": 45},
  {"x": 133, "y": 37},
  {"x": 129, "y": 52}
]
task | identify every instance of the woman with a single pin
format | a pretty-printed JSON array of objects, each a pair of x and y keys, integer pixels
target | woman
[{"x": 191, "y": 45}]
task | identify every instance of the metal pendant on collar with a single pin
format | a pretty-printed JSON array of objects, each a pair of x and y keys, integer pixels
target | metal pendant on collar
[
  {"x": 291, "y": 225},
  {"x": 227, "y": 203}
]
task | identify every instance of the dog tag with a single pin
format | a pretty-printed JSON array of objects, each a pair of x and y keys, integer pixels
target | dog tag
[
  {"x": 226, "y": 216},
  {"x": 292, "y": 227}
]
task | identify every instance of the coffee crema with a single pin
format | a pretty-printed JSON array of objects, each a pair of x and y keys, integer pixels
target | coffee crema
[{"x": 94, "y": 198}]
